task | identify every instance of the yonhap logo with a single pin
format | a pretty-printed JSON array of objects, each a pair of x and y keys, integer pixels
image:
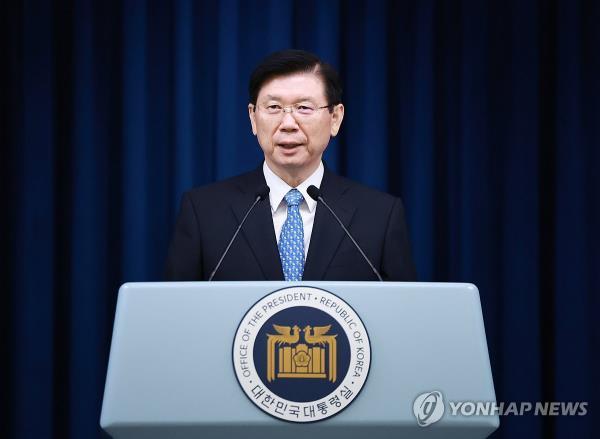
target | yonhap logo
[{"x": 428, "y": 408}]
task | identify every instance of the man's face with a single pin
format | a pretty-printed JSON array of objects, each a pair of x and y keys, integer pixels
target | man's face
[{"x": 292, "y": 143}]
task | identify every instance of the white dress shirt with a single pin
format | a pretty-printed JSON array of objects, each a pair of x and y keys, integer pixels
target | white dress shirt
[{"x": 279, "y": 207}]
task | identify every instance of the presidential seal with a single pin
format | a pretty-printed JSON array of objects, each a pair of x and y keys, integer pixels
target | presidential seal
[{"x": 301, "y": 354}]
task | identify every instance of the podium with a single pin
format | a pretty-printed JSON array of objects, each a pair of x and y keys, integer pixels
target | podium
[{"x": 217, "y": 360}]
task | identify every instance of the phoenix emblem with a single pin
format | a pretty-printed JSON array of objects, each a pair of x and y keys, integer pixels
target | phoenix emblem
[{"x": 289, "y": 357}]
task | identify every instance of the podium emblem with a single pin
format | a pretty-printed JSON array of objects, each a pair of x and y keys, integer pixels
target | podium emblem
[
  {"x": 290, "y": 357},
  {"x": 301, "y": 354}
]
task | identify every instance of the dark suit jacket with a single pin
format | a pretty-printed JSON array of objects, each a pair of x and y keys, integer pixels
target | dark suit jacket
[{"x": 210, "y": 214}]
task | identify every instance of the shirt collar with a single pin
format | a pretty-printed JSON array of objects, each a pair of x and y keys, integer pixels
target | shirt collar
[{"x": 279, "y": 187}]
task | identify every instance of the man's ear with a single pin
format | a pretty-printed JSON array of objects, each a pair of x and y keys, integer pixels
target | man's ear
[
  {"x": 252, "y": 114},
  {"x": 337, "y": 116}
]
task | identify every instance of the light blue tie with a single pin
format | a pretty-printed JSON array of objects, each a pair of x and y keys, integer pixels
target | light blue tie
[{"x": 291, "y": 240}]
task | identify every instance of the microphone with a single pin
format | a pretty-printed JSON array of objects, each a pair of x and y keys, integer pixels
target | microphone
[
  {"x": 315, "y": 194},
  {"x": 261, "y": 194}
]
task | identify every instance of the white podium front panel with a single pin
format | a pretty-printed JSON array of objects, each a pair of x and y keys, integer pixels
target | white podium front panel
[{"x": 171, "y": 372}]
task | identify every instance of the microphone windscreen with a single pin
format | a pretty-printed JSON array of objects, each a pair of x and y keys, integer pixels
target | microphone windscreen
[
  {"x": 314, "y": 192},
  {"x": 263, "y": 192}
]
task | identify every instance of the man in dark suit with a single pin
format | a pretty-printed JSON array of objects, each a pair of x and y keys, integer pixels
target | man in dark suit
[{"x": 295, "y": 108}]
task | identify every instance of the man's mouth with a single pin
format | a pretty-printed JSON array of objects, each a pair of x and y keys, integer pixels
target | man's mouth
[{"x": 289, "y": 145}]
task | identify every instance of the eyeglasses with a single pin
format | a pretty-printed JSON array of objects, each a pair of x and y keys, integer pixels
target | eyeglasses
[{"x": 302, "y": 110}]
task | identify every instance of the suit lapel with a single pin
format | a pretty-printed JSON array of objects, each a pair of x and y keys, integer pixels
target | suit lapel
[
  {"x": 327, "y": 234},
  {"x": 258, "y": 229}
]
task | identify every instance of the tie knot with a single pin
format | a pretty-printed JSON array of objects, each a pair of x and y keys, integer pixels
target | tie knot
[{"x": 293, "y": 197}]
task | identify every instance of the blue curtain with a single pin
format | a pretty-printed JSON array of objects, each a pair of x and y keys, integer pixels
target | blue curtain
[{"x": 482, "y": 116}]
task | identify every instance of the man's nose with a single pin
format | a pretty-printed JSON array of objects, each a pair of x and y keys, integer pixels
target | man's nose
[{"x": 288, "y": 122}]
